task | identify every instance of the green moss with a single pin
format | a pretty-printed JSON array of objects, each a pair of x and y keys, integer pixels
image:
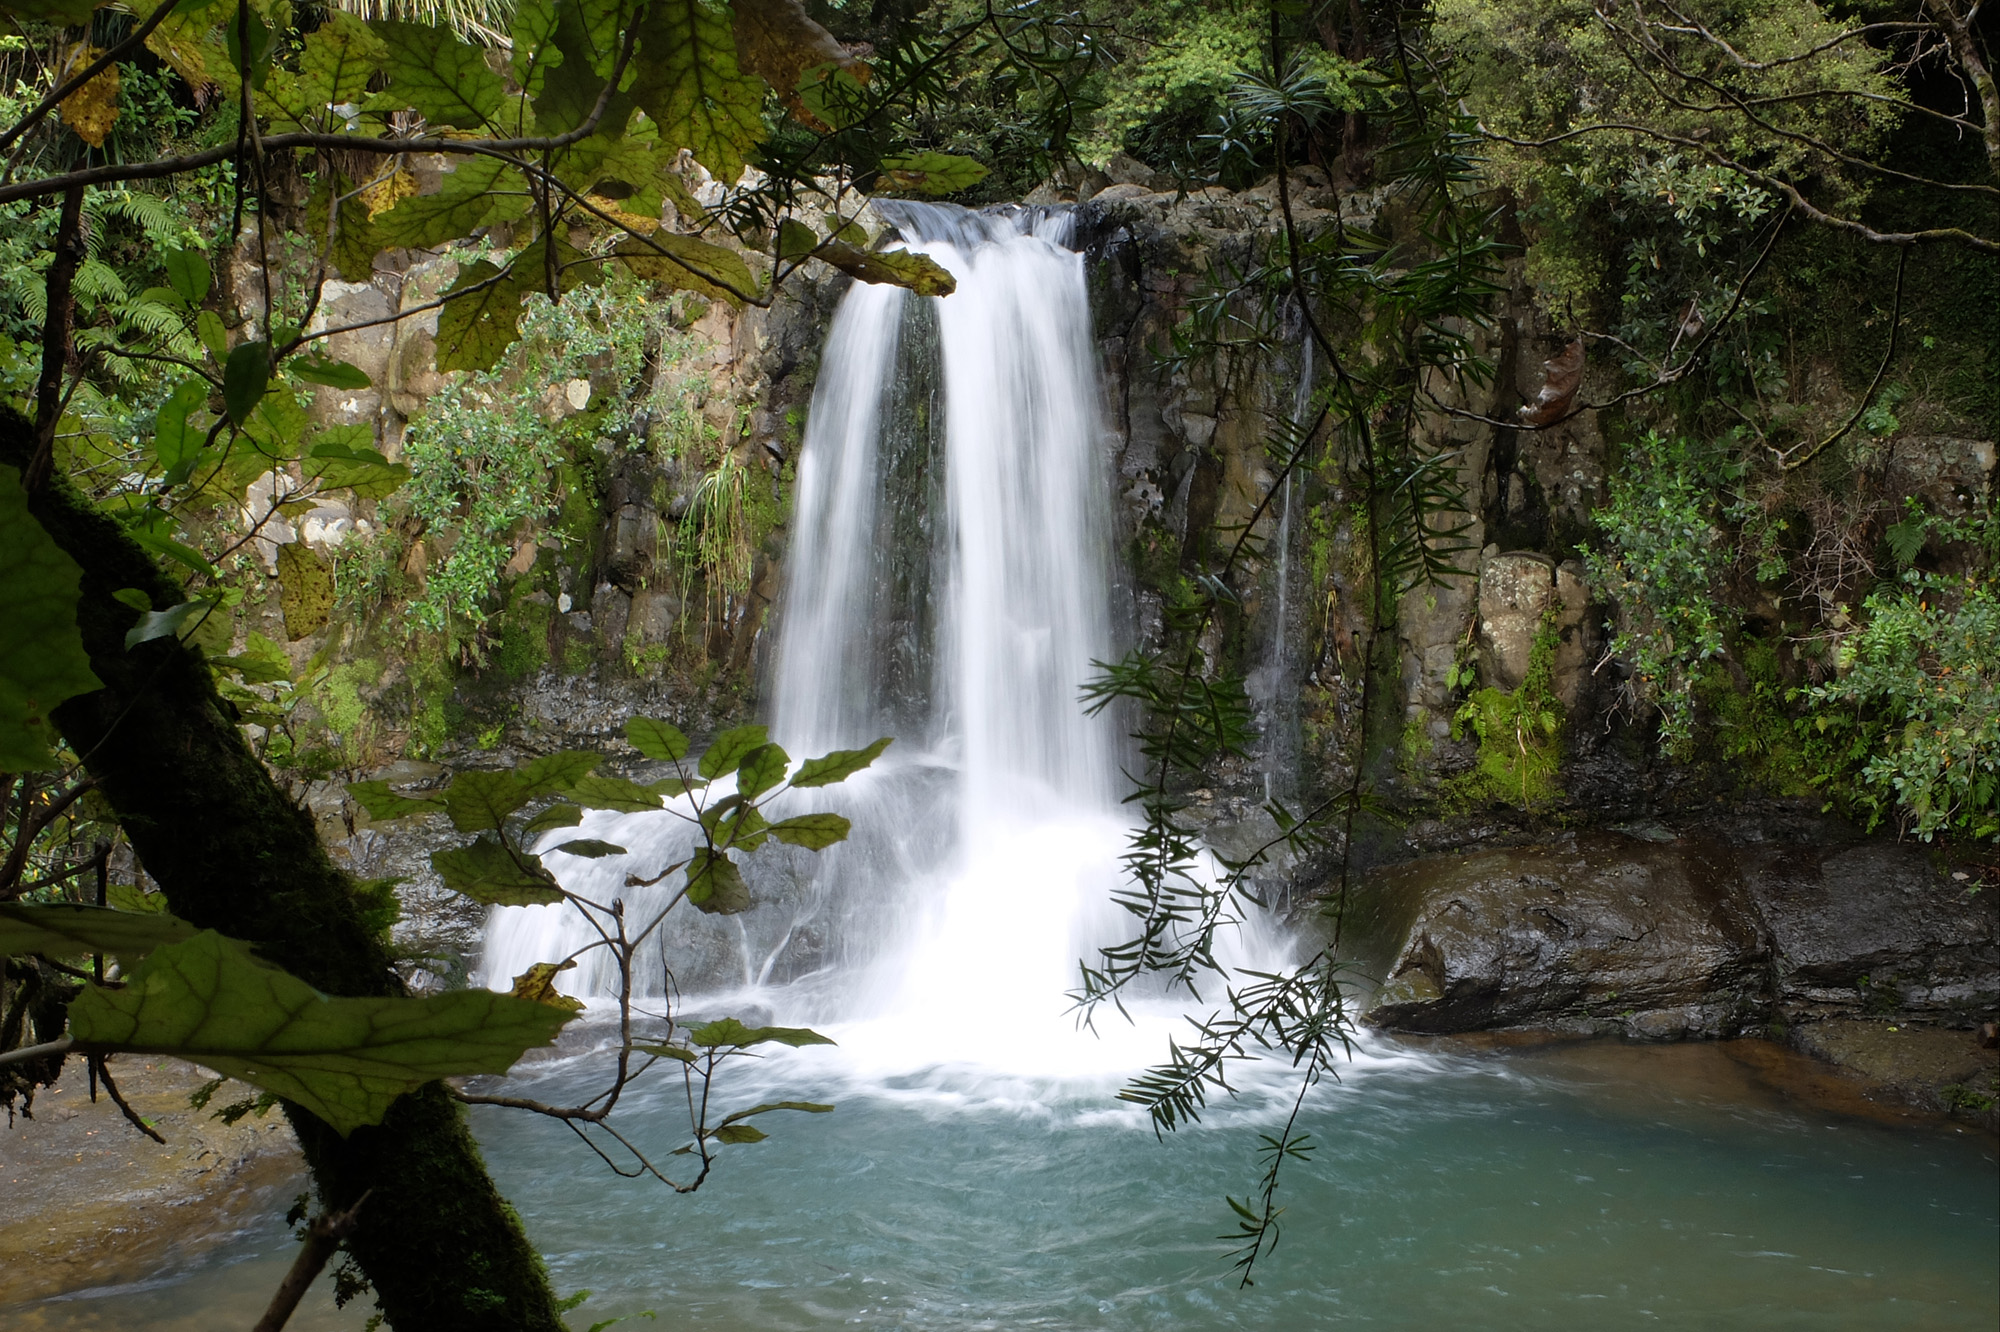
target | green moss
[
  {"x": 577, "y": 656},
  {"x": 1519, "y": 734},
  {"x": 522, "y": 646},
  {"x": 1753, "y": 731},
  {"x": 432, "y": 719}
]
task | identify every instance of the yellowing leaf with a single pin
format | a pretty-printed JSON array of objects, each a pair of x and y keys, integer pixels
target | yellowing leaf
[
  {"x": 689, "y": 264},
  {"x": 479, "y": 319},
  {"x": 778, "y": 42},
  {"x": 42, "y": 661},
  {"x": 633, "y": 222},
  {"x": 305, "y": 590},
  {"x": 209, "y": 1000},
  {"x": 538, "y": 985},
  {"x": 933, "y": 173},
  {"x": 92, "y": 109},
  {"x": 918, "y": 272},
  {"x": 386, "y": 191}
]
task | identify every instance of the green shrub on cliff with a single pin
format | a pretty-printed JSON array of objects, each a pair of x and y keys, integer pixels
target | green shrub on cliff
[
  {"x": 1663, "y": 558},
  {"x": 1919, "y": 694}
]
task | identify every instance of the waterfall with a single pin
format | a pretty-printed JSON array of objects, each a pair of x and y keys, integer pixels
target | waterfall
[
  {"x": 949, "y": 581},
  {"x": 1275, "y": 686}
]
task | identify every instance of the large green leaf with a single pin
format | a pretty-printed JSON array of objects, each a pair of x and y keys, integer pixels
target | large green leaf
[
  {"x": 176, "y": 439},
  {"x": 689, "y": 264},
  {"x": 899, "y": 268},
  {"x": 338, "y": 59},
  {"x": 555, "y": 816},
  {"x": 730, "y": 749},
  {"x": 479, "y": 319},
  {"x": 245, "y": 376},
  {"x": 815, "y": 832},
  {"x": 576, "y": 63},
  {"x": 209, "y": 1000},
  {"x": 553, "y": 774},
  {"x": 188, "y": 271},
  {"x": 383, "y": 803},
  {"x": 839, "y": 765},
  {"x": 340, "y": 460},
  {"x": 762, "y": 768},
  {"x": 64, "y": 929},
  {"x": 601, "y": 792},
  {"x": 715, "y": 884},
  {"x": 481, "y": 801},
  {"x": 479, "y": 190},
  {"x": 656, "y": 739},
  {"x": 729, "y": 1031},
  {"x": 486, "y": 871},
  {"x": 533, "y": 34},
  {"x": 933, "y": 173},
  {"x": 690, "y": 85},
  {"x": 316, "y": 369},
  {"x": 443, "y": 79},
  {"x": 42, "y": 661}
]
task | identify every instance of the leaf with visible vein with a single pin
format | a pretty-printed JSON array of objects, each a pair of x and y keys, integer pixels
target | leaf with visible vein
[
  {"x": 656, "y": 739},
  {"x": 481, "y": 801},
  {"x": 480, "y": 318},
  {"x": 555, "y": 816},
  {"x": 689, "y": 264},
  {"x": 715, "y": 884},
  {"x": 209, "y": 1000},
  {"x": 42, "y": 661},
  {"x": 615, "y": 793},
  {"x": 553, "y": 774},
  {"x": 66, "y": 929},
  {"x": 762, "y": 768},
  {"x": 478, "y": 191},
  {"x": 486, "y": 871},
  {"x": 815, "y": 832},
  {"x": 730, "y": 749},
  {"x": 690, "y": 85},
  {"x": 443, "y": 79},
  {"x": 839, "y": 765}
]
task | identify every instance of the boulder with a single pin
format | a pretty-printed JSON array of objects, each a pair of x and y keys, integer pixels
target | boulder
[
  {"x": 1516, "y": 591},
  {"x": 1595, "y": 932},
  {"x": 1660, "y": 937}
]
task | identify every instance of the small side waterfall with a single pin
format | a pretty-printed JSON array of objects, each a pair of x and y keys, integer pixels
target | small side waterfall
[{"x": 949, "y": 582}]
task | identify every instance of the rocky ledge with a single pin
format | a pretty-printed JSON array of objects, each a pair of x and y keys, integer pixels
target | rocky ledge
[{"x": 1866, "y": 952}]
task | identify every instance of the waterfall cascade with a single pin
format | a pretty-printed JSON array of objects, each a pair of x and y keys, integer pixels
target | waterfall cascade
[{"x": 949, "y": 582}]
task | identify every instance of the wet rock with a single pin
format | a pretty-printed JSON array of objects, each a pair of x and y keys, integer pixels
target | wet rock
[
  {"x": 1596, "y": 933},
  {"x": 1873, "y": 927},
  {"x": 1704, "y": 935}
]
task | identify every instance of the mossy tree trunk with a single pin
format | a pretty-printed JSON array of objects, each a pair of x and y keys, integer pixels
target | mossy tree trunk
[{"x": 439, "y": 1244}]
